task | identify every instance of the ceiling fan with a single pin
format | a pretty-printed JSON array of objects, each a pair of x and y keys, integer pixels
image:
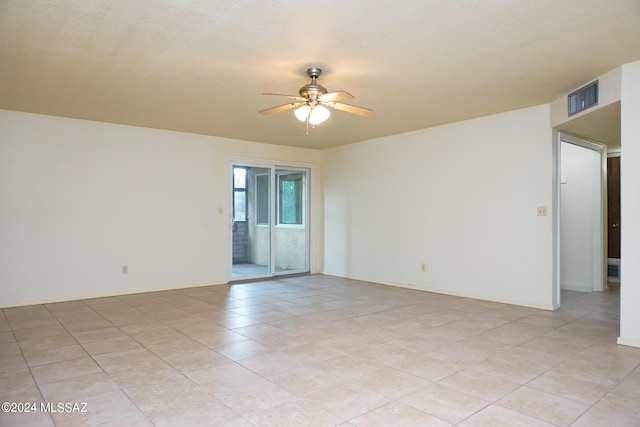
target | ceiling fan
[{"x": 312, "y": 102}]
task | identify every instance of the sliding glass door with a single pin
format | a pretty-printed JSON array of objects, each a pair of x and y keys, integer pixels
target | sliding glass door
[
  {"x": 290, "y": 231},
  {"x": 270, "y": 221},
  {"x": 251, "y": 239}
]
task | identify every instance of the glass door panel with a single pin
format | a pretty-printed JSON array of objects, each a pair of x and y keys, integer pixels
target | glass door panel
[
  {"x": 290, "y": 246},
  {"x": 251, "y": 244}
]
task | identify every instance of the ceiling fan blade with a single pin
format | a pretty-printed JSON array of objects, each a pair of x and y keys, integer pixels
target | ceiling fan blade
[
  {"x": 283, "y": 95},
  {"x": 279, "y": 108},
  {"x": 361, "y": 111},
  {"x": 340, "y": 95}
]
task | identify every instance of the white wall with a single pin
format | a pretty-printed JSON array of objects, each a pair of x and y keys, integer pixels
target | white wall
[
  {"x": 630, "y": 206},
  {"x": 460, "y": 198},
  {"x": 80, "y": 199},
  {"x": 580, "y": 202},
  {"x": 609, "y": 92}
]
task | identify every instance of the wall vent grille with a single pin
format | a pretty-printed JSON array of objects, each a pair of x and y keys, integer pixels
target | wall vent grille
[
  {"x": 613, "y": 270},
  {"x": 583, "y": 98}
]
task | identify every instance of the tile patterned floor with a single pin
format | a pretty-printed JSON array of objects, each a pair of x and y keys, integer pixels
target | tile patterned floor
[{"x": 318, "y": 351}]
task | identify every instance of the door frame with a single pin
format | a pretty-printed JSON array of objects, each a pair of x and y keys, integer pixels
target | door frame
[
  {"x": 273, "y": 167},
  {"x": 599, "y": 270}
]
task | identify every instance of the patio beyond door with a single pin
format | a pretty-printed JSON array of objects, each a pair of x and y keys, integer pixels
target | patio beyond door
[{"x": 270, "y": 221}]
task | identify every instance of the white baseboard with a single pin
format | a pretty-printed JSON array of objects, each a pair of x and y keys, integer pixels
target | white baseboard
[
  {"x": 578, "y": 287},
  {"x": 104, "y": 295},
  {"x": 453, "y": 293},
  {"x": 630, "y": 342}
]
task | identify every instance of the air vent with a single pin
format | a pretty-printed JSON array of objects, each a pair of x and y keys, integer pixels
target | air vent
[
  {"x": 583, "y": 98},
  {"x": 613, "y": 270}
]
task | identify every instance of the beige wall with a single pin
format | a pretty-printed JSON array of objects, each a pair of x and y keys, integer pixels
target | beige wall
[
  {"x": 80, "y": 199},
  {"x": 459, "y": 198}
]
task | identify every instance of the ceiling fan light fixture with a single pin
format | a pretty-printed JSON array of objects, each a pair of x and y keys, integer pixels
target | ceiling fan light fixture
[
  {"x": 302, "y": 112},
  {"x": 318, "y": 114},
  {"x": 313, "y": 103}
]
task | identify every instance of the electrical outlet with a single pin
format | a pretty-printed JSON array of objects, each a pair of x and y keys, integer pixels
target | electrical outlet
[
  {"x": 542, "y": 211},
  {"x": 423, "y": 267},
  {"x": 125, "y": 269}
]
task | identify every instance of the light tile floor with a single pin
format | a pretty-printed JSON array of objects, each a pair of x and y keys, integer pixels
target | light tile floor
[{"x": 318, "y": 351}]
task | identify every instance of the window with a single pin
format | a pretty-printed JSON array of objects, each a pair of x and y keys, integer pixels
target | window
[
  {"x": 262, "y": 199},
  {"x": 290, "y": 195},
  {"x": 239, "y": 194}
]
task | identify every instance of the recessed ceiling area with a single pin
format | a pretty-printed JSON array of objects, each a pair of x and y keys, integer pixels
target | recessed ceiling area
[
  {"x": 201, "y": 67},
  {"x": 600, "y": 125}
]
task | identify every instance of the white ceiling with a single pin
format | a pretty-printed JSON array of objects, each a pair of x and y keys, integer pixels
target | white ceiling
[{"x": 201, "y": 66}]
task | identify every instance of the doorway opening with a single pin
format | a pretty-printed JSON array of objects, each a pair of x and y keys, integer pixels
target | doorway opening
[
  {"x": 270, "y": 223},
  {"x": 581, "y": 194},
  {"x": 613, "y": 220}
]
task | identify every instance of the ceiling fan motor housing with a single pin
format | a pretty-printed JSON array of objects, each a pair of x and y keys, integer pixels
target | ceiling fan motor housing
[{"x": 312, "y": 90}]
